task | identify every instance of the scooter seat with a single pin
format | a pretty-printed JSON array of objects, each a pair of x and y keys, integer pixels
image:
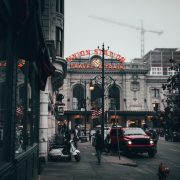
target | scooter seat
[{"x": 56, "y": 146}]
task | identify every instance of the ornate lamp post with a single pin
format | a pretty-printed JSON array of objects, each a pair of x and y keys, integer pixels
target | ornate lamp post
[
  {"x": 97, "y": 79},
  {"x": 102, "y": 121}
]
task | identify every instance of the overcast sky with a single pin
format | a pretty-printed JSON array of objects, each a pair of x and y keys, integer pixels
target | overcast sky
[{"x": 83, "y": 32}]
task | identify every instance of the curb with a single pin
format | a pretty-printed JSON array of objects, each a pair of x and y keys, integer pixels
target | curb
[{"x": 128, "y": 164}]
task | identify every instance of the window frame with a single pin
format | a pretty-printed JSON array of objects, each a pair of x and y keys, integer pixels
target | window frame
[{"x": 155, "y": 93}]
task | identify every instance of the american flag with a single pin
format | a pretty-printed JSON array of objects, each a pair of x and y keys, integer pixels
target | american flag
[
  {"x": 20, "y": 111},
  {"x": 96, "y": 113}
]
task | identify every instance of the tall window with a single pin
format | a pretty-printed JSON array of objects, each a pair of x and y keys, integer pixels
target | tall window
[
  {"x": 60, "y": 6},
  {"x": 114, "y": 96},
  {"x": 24, "y": 122},
  {"x": 59, "y": 41},
  {"x": 78, "y": 97},
  {"x": 3, "y": 94},
  {"x": 20, "y": 109},
  {"x": 96, "y": 97},
  {"x": 155, "y": 93}
]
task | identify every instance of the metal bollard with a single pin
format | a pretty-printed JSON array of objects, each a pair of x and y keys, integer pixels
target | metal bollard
[{"x": 163, "y": 171}]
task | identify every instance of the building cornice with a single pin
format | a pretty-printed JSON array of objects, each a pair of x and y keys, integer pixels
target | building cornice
[{"x": 127, "y": 71}]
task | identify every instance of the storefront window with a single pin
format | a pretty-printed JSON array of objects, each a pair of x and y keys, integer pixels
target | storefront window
[
  {"x": 24, "y": 119},
  {"x": 3, "y": 83},
  {"x": 29, "y": 115},
  {"x": 20, "y": 108}
]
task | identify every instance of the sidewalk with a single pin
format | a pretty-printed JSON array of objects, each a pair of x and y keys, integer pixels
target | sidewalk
[
  {"x": 87, "y": 168},
  {"x": 113, "y": 157}
]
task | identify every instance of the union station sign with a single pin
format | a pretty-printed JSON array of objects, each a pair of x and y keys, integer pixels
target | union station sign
[{"x": 95, "y": 57}]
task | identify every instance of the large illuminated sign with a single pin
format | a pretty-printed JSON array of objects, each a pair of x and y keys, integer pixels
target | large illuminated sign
[
  {"x": 95, "y": 57},
  {"x": 95, "y": 52}
]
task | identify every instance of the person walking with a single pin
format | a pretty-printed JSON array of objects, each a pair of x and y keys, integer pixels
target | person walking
[
  {"x": 99, "y": 145},
  {"x": 76, "y": 137}
]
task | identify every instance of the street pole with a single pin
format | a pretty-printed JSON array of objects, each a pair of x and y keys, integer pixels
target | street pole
[
  {"x": 85, "y": 120},
  {"x": 102, "y": 121},
  {"x": 117, "y": 132}
]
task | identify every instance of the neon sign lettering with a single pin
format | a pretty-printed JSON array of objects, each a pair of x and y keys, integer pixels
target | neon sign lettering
[
  {"x": 90, "y": 66},
  {"x": 95, "y": 52}
]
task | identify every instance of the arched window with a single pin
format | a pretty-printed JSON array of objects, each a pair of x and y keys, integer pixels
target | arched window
[
  {"x": 78, "y": 97},
  {"x": 114, "y": 96},
  {"x": 96, "y": 97}
]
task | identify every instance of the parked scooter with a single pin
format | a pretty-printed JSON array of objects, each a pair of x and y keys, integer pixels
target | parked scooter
[
  {"x": 74, "y": 151},
  {"x": 58, "y": 152}
]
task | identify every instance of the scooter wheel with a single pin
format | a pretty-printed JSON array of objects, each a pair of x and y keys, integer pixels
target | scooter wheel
[{"x": 77, "y": 158}]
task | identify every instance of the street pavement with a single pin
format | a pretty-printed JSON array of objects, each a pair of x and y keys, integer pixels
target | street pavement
[{"x": 88, "y": 168}]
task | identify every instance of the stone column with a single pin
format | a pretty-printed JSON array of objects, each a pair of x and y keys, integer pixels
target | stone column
[
  {"x": 43, "y": 125},
  {"x": 53, "y": 125},
  {"x": 49, "y": 125}
]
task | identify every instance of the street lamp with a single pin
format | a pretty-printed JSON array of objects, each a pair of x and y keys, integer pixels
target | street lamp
[
  {"x": 102, "y": 122},
  {"x": 102, "y": 77}
]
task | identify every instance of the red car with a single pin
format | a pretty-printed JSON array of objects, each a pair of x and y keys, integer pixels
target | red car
[{"x": 130, "y": 140}]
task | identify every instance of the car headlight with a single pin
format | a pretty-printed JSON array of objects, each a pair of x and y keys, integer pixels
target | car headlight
[
  {"x": 129, "y": 142},
  {"x": 151, "y": 141}
]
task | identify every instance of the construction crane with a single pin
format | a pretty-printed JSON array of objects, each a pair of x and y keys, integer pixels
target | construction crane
[{"x": 139, "y": 28}]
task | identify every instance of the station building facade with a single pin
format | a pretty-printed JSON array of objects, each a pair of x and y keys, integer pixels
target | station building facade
[{"x": 133, "y": 90}]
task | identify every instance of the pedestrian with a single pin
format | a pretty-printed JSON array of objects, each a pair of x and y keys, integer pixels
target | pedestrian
[
  {"x": 89, "y": 135},
  {"x": 67, "y": 138},
  {"x": 76, "y": 137},
  {"x": 99, "y": 145}
]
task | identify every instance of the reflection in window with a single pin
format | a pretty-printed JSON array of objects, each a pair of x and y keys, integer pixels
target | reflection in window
[
  {"x": 20, "y": 109},
  {"x": 3, "y": 83},
  {"x": 24, "y": 119},
  {"x": 29, "y": 115}
]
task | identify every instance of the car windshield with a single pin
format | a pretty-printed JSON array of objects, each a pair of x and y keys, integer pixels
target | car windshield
[{"x": 134, "y": 131}]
